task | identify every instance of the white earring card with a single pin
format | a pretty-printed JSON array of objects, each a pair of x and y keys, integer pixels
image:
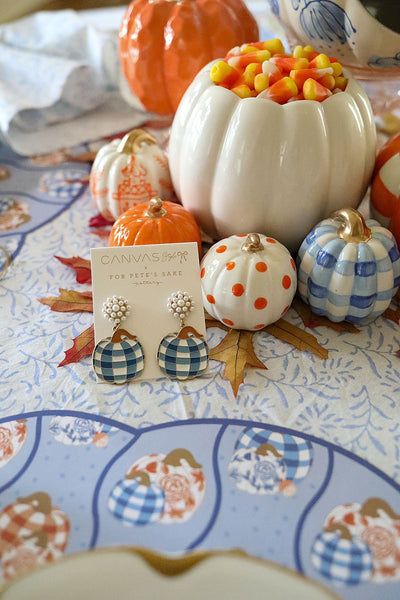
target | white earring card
[{"x": 147, "y": 276}]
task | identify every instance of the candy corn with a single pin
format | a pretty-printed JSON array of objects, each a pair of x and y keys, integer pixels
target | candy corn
[
  {"x": 313, "y": 90},
  {"x": 265, "y": 70}
]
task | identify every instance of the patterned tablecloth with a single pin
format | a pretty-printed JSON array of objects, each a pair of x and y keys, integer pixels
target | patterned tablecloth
[{"x": 301, "y": 467}]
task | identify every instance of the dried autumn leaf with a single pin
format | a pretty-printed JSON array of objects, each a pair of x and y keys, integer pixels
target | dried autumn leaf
[
  {"x": 83, "y": 345},
  {"x": 69, "y": 301},
  {"x": 81, "y": 267},
  {"x": 311, "y": 320},
  {"x": 99, "y": 221},
  {"x": 300, "y": 339},
  {"x": 236, "y": 351}
]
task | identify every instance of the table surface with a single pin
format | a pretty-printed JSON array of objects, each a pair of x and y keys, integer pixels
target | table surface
[{"x": 60, "y": 429}]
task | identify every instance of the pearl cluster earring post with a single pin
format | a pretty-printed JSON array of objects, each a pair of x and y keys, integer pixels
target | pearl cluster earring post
[
  {"x": 180, "y": 304},
  {"x": 116, "y": 309}
]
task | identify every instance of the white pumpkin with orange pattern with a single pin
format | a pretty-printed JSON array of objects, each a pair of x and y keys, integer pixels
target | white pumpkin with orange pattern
[
  {"x": 128, "y": 172},
  {"x": 248, "y": 281}
]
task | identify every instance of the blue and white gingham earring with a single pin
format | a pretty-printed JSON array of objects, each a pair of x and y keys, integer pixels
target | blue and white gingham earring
[
  {"x": 120, "y": 357},
  {"x": 184, "y": 354}
]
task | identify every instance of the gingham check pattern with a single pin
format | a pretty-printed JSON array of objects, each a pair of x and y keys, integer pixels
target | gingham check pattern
[
  {"x": 182, "y": 359},
  {"x": 341, "y": 560},
  {"x": 136, "y": 504},
  {"x": 296, "y": 452},
  {"x": 119, "y": 362},
  {"x": 20, "y": 520},
  {"x": 348, "y": 281}
]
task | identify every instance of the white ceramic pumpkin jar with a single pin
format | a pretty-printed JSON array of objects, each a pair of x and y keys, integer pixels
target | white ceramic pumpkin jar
[
  {"x": 251, "y": 164},
  {"x": 248, "y": 281}
]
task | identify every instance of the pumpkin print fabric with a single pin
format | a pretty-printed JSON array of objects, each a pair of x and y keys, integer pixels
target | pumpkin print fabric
[
  {"x": 12, "y": 438},
  {"x": 159, "y": 488}
]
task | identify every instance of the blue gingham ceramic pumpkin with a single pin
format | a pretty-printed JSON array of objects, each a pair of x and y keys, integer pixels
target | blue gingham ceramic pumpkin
[
  {"x": 183, "y": 355},
  {"x": 348, "y": 268},
  {"x": 119, "y": 358},
  {"x": 136, "y": 500},
  {"x": 296, "y": 452},
  {"x": 340, "y": 558}
]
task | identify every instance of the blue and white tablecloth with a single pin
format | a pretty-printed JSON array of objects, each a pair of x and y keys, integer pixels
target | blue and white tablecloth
[{"x": 345, "y": 408}]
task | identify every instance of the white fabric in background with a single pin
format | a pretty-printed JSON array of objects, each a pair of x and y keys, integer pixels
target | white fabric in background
[{"x": 61, "y": 83}]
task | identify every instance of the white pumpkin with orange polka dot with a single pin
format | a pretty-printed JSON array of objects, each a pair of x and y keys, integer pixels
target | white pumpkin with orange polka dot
[{"x": 248, "y": 281}]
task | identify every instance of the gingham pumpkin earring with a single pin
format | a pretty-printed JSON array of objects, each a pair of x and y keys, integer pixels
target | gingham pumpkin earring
[
  {"x": 182, "y": 355},
  {"x": 119, "y": 358}
]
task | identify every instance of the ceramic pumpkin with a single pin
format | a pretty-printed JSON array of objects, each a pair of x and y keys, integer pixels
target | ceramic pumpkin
[
  {"x": 293, "y": 163},
  {"x": 385, "y": 188},
  {"x": 348, "y": 268},
  {"x": 128, "y": 172},
  {"x": 155, "y": 223},
  {"x": 118, "y": 358},
  {"x": 136, "y": 500},
  {"x": 163, "y": 44},
  {"x": 248, "y": 281}
]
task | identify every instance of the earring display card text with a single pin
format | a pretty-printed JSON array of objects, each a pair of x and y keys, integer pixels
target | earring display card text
[{"x": 146, "y": 276}]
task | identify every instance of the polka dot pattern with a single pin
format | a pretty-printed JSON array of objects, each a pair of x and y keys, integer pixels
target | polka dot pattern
[
  {"x": 237, "y": 289},
  {"x": 260, "y": 303},
  {"x": 261, "y": 267},
  {"x": 248, "y": 290},
  {"x": 228, "y": 322}
]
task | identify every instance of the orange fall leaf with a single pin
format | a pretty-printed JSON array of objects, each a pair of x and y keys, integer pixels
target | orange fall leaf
[
  {"x": 81, "y": 267},
  {"x": 69, "y": 301},
  {"x": 83, "y": 345}
]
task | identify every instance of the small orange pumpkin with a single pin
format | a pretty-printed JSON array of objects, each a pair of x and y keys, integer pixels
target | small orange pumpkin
[
  {"x": 163, "y": 44},
  {"x": 157, "y": 222}
]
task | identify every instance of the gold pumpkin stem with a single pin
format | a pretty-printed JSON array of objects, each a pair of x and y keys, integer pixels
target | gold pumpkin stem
[
  {"x": 155, "y": 208},
  {"x": 252, "y": 243},
  {"x": 132, "y": 141},
  {"x": 266, "y": 449},
  {"x": 353, "y": 227}
]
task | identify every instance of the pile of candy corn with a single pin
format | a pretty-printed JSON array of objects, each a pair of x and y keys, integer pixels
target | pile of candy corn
[{"x": 263, "y": 69}]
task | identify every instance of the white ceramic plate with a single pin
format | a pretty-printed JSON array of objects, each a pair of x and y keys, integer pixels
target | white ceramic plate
[{"x": 123, "y": 573}]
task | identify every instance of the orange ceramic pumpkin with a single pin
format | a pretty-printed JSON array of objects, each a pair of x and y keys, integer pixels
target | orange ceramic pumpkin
[
  {"x": 385, "y": 188},
  {"x": 155, "y": 223},
  {"x": 163, "y": 44}
]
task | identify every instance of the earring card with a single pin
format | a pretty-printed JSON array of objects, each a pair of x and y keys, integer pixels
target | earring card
[{"x": 146, "y": 276}]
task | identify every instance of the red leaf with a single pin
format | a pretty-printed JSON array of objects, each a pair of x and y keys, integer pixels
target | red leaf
[
  {"x": 99, "y": 221},
  {"x": 81, "y": 267},
  {"x": 83, "y": 345}
]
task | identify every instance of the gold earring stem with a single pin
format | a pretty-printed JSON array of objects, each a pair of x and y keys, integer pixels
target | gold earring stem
[{"x": 353, "y": 227}]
